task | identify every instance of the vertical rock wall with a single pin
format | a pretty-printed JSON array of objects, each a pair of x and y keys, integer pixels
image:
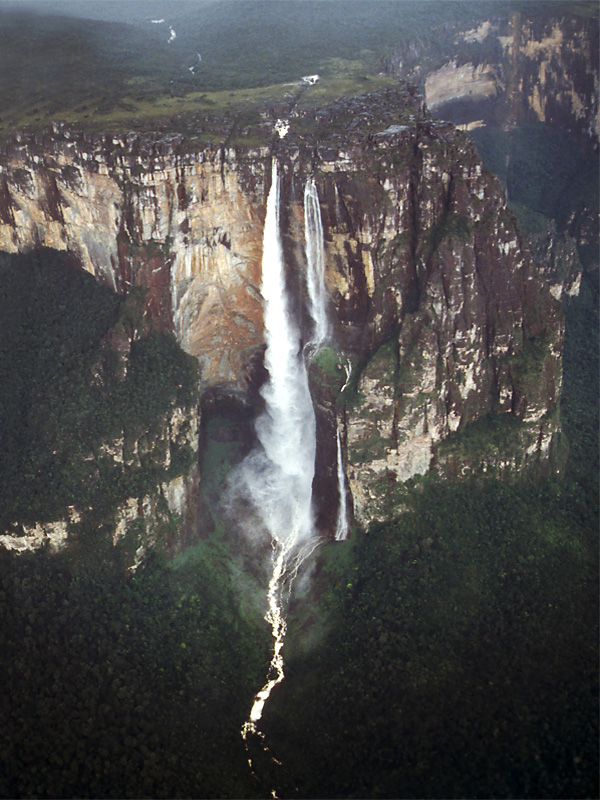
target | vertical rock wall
[{"x": 434, "y": 301}]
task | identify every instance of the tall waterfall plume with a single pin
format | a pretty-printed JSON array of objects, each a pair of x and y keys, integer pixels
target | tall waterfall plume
[
  {"x": 315, "y": 260},
  {"x": 281, "y": 470},
  {"x": 278, "y": 475}
]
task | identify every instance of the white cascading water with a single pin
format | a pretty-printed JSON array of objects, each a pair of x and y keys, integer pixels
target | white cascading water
[
  {"x": 341, "y": 530},
  {"x": 317, "y": 296},
  {"x": 315, "y": 261},
  {"x": 278, "y": 475}
]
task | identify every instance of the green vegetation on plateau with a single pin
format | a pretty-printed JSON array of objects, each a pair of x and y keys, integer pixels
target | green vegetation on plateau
[{"x": 100, "y": 73}]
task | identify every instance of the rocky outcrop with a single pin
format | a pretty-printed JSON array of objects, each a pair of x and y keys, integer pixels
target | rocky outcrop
[
  {"x": 558, "y": 260},
  {"x": 103, "y": 441},
  {"x": 515, "y": 70},
  {"x": 434, "y": 301},
  {"x": 138, "y": 523}
]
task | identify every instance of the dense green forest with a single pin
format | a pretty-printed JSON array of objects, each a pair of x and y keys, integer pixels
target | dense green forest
[
  {"x": 123, "y": 686},
  {"x": 66, "y": 392}
]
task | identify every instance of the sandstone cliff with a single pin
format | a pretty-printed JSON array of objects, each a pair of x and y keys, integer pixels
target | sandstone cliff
[
  {"x": 436, "y": 311},
  {"x": 513, "y": 70}
]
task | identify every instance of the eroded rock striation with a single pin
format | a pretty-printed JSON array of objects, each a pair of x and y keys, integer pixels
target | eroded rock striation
[
  {"x": 518, "y": 69},
  {"x": 438, "y": 318}
]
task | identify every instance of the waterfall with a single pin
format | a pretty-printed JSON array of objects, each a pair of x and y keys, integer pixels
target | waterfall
[
  {"x": 282, "y": 486},
  {"x": 341, "y": 530},
  {"x": 278, "y": 475},
  {"x": 315, "y": 260}
]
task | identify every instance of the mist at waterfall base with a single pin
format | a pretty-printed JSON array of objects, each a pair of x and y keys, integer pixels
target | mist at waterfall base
[{"x": 277, "y": 476}]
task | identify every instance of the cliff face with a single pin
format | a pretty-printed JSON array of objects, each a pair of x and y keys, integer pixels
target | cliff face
[
  {"x": 559, "y": 261},
  {"x": 510, "y": 71},
  {"x": 136, "y": 214},
  {"x": 99, "y": 416},
  {"x": 439, "y": 310},
  {"x": 437, "y": 315}
]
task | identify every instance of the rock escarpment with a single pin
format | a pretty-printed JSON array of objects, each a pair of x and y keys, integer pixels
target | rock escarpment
[
  {"x": 513, "y": 70},
  {"x": 155, "y": 515},
  {"x": 438, "y": 320}
]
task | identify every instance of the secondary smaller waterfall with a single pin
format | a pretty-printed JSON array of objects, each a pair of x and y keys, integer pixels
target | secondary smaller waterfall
[
  {"x": 315, "y": 261},
  {"x": 317, "y": 296},
  {"x": 278, "y": 475},
  {"x": 341, "y": 530}
]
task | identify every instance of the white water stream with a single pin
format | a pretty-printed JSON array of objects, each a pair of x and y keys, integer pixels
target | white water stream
[
  {"x": 341, "y": 529},
  {"x": 278, "y": 475},
  {"x": 317, "y": 296}
]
